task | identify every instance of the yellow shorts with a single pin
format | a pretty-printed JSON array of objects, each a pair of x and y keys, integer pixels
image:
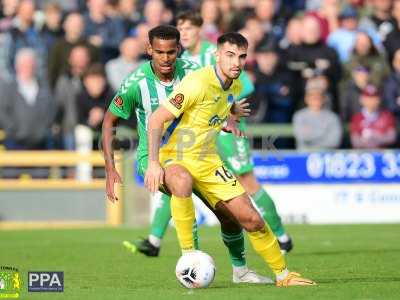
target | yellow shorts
[{"x": 211, "y": 179}]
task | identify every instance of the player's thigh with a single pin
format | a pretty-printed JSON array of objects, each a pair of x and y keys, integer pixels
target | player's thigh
[
  {"x": 244, "y": 212},
  {"x": 228, "y": 222},
  {"x": 235, "y": 153},
  {"x": 178, "y": 180},
  {"x": 218, "y": 184}
]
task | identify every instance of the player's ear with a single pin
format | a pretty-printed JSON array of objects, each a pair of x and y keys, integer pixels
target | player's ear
[{"x": 149, "y": 49}]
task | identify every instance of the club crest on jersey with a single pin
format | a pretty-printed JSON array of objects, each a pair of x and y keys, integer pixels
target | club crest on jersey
[
  {"x": 177, "y": 100},
  {"x": 230, "y": 98},
  {"x": 118, "y": 101}
]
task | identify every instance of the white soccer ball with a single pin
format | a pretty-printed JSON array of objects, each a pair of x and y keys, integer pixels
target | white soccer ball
[{"x": 195, "y": 269}]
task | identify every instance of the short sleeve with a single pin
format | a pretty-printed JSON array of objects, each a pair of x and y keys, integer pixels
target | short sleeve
[
  {"x": 247, "y": 86},
  {"x": 123, "y": 103},
  {"x": 186, "y": 93}
]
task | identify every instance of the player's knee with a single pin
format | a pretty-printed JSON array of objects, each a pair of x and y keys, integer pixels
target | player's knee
[
  {"x": 182, "y": 186},
  {"x": 254, "y": 223}
]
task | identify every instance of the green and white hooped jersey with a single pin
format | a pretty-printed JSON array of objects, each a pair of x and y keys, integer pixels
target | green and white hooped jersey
[{"x": 141, "y": 92}]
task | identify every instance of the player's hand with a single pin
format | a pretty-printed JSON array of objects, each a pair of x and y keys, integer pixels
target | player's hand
[
  {"x": 241, "y": 108},
  {"x": 112, "y": 177},
  {"x": 154, "y": 176},
  {"x": 231, "y": 126}
]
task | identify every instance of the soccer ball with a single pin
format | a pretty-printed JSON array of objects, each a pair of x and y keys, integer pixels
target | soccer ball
[{"x": 195, "y": 269}]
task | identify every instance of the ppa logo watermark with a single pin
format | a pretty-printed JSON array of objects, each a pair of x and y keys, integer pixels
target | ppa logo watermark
[{"x": 44, "y": 281}]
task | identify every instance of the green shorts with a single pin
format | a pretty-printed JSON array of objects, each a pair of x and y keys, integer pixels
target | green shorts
[
  {"x": 235, "y": 153},
  {"x": 142, "y": 165}
]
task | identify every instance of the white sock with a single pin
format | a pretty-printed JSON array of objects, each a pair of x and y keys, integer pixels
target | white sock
[
  {"x": 240, "y": 270},
  {"x": 155, "y": 241},
  {"x": 283, "y": 238},
  {"x": 282, "y": 275}
]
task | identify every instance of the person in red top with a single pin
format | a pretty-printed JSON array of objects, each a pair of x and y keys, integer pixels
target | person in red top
[{"x": 373, "y": 127}]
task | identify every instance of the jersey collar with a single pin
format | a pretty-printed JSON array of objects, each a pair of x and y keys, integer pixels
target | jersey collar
[{"x": 220, "y": 80}]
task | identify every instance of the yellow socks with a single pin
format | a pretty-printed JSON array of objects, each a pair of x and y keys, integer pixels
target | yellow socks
[
  {"x": 266, "y": 245},
  {"x": 182, "y": 211}
]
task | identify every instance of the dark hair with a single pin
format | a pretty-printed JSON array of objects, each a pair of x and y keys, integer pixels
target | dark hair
[
  {"x": 164, "y": 32},
  {"x": 193, "y": 17},
  {"x": 234, "y": 38},
  {"x": 95, "y": 69},
  {"x": 373, "y": 51}
]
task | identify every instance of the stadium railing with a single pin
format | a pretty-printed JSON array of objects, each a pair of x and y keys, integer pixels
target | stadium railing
[{"x": 113, "y": 213}]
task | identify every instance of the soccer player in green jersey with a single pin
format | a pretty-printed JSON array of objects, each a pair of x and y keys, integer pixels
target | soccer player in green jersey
[{"x": 141, "y": 93}]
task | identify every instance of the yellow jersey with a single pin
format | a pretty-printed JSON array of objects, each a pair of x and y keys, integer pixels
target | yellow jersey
[{"x": 201, "y": 107}]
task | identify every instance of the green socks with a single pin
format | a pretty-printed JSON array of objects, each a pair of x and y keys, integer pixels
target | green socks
[
  {"x": 267, "y": 209},
  {"x": 235, "y": 244},
  {"x": 161, "y": 217}
]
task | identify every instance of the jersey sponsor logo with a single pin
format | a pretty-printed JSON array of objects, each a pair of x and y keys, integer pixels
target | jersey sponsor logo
[
  {"x": 216, "y": 120},
  {"x": 118, "y": 101},
  {"x": 177, "y": 100}
]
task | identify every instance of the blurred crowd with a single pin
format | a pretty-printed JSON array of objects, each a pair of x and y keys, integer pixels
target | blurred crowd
[{"x": 329, "y": 67}]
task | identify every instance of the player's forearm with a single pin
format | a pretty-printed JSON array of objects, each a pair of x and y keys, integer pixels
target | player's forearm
[
  {"x": 155, "y": 129},
  {"x": 107, "y": 138}
]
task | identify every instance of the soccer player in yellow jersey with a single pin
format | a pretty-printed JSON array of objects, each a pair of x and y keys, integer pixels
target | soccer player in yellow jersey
[{"x": 193, "y": 114}]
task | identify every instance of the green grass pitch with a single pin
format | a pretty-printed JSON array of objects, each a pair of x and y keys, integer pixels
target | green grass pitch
[{"x": 348, "y": 262}]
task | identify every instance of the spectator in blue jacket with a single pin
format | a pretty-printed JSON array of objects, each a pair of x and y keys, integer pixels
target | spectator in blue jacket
[
  {"x": 101, "y": 31},
  {"x": 273, "y": 87}
]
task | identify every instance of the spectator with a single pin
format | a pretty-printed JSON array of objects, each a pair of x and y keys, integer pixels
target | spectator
[
  {"x": 373, "y": 127},
  {"x": 272, "y": 97},
  {"x": 154, "y": 13},
  {"x": 366, "y": 54},
  {"x": 117, "y": 69},
  {"x": 293, "y": 34},
  {"x": 68, "y": 87},
  {"x": 7, "y": 14},
  {"x": 130, "y": 15},
  {"x": 392, "y": 42},
  {"x": 211, "y": 15},
  {"x": 26, "y": 106},
  {"x": 273, "y": 17},
  {"x": 392, "y": 87},
  {"x": 52, "y": 29},
  {"x": 254, "y": 33},
  {"x": 342, "y": 39},
  {"x": 380, "y": 23},
  {"x": 23, "y": 34},
  {"x": 59, "y": 55},
  {"x": 92, "y": 101},
  {"x": 349, "y": 100},
  {"x": 327, "y": 16},
  {"x": 313, "y": 58},
  {"x": 101, "y": 31},
  {"x": 141, "y": 33},
  {"x": 316, "y": 127}
]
